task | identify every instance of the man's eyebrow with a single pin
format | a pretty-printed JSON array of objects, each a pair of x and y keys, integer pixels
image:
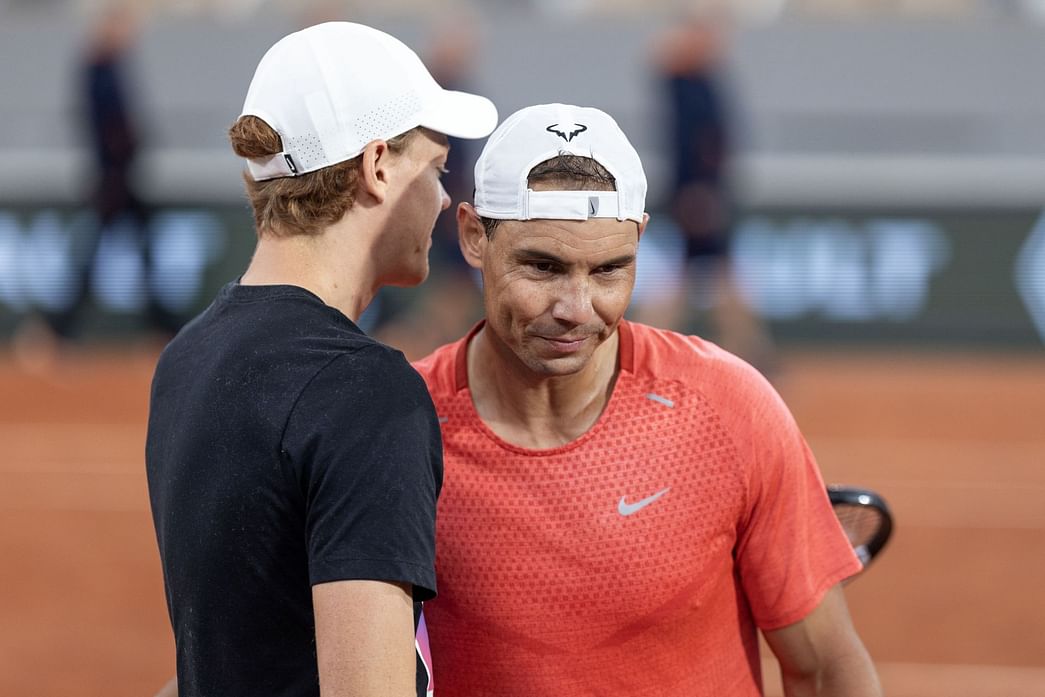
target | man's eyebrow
[
  {"x": 520, "y": 254},
  {"x": 439, "y": 138},
  {"x": 622, "y": 260},
  {"x": 525, "y": 254}
]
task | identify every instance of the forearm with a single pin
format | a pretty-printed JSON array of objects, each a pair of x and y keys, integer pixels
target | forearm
[
  {"x": 170, "y": 689},
  {"x": 364, "y": 639},
  {"x": 851, "y": 675}
]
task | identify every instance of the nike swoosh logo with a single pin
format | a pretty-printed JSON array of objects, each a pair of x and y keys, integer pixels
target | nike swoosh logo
[{"x": 626, "y": 509}]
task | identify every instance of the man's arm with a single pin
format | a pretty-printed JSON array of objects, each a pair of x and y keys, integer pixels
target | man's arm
[
  {"x": 169, "y": 689},
  {"x": 365, "y": 639},
  {"x": 822, "y": 656}
]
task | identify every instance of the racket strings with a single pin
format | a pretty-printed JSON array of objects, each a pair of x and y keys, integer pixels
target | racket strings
[
  {"x": 864, "y": 516},
  {"x": 861, "y": 523}
]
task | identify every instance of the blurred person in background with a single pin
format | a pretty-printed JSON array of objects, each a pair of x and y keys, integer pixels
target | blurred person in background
[
  {"x": 700, "y": 128},
  {"x": 113, "y": 129},
  {"x": 293, "y": 461},
  {"x": 624, "y": 507},
  {"x": 448, "y": 304}
]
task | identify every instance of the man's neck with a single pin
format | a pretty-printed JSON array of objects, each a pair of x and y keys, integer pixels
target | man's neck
[
  {"x": 342, "y": 278},
  {"x": 536, "y": 411}
]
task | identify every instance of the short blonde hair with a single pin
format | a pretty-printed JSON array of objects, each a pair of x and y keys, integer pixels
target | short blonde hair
[{"x": 302, "y": 205}]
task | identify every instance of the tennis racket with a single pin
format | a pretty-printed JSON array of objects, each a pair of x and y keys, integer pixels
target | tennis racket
[{"x": 865, "y": 517}]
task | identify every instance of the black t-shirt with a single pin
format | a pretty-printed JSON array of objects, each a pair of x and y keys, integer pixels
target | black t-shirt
[{"x": 286, "y": 448}]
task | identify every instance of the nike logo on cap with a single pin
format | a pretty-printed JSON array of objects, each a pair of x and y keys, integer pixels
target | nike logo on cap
[{"x": 626, "y": 509}]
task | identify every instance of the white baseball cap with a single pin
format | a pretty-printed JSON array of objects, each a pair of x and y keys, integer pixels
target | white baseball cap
[
  {"x": 538, "y": 133},
  {"x": 332, "y": 88}
]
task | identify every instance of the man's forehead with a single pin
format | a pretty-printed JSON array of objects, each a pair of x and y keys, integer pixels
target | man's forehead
[
  {"x": 432, "y": 142},
  {"x": 435, "y": 136},
  {"x": 575, "y": 236}
]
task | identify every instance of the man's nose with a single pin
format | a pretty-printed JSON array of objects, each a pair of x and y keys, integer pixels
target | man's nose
[
  {"x": 445, "y": 201},
  {"x": 573, "y": 303}
]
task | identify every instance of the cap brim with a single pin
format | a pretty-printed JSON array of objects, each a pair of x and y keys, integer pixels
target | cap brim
[{"x": 460, "y": 115}]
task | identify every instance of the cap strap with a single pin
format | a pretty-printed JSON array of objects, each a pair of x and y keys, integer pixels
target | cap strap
[
  {"x": 571, "y": 205},
  {"x": 278, "y": 165}
]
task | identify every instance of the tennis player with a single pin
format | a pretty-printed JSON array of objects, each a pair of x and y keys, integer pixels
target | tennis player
[
  {"x": 294, "y": 462},
  {"x": 624, "y": 507}
]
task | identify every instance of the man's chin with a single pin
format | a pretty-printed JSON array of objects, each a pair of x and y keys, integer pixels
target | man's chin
[
  {"x": 557, "y": 366},
  {"x": 409, "y": 280}
]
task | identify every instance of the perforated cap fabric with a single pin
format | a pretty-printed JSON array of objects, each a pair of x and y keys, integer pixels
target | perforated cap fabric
[
  {"x": 332, "y": 88},
  {"x": 539, "y": 133}
]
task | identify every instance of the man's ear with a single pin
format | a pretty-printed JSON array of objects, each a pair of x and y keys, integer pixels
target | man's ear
[
  {"x": 643, "y": 224},
  {"x": 471, "y": 235},
  {"x": 373, "y": 170}
]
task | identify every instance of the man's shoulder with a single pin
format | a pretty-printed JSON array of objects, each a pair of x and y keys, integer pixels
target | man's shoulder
[
  {"x": 276, "y": 340},
  {"x": 663, "y": 354},
  {"x": 660, "y": 350},
  {"x": 439, "y": 368}
]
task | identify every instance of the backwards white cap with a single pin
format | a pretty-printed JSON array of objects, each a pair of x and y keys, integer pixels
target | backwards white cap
[
  {"x": 330, "y": 89},
  {"x": 538, "y": 133}
]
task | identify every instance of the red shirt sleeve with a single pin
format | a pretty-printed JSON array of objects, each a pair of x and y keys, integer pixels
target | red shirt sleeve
[{"x": 791, "y": 549}]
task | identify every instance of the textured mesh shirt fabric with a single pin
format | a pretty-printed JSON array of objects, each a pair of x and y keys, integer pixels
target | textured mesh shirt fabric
[{"x": 639, "y": 558}]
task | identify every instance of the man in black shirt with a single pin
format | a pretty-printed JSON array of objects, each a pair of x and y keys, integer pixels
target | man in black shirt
[{"x": 294, "y": 462}]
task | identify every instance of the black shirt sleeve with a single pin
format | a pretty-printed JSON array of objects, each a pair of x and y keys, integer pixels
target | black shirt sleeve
[{"x": 363, "y": 443}]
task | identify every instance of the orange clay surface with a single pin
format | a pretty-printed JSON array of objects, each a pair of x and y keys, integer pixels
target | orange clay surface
[{"x": 956, "y": 442}]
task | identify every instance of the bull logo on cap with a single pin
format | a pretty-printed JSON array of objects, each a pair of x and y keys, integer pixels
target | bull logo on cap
[{"x": 569, "y": 130}]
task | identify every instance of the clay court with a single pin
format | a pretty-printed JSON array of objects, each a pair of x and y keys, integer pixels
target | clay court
[{"x": 955, "y": 442}]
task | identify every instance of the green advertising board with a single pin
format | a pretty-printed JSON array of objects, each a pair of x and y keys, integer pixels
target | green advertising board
[
  {"x": 941, "y": 277},
  {"x": 957, "y": 278}
]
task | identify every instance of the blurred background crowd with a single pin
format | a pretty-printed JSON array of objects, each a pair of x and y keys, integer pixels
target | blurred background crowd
[{"x": 820, "y": 170}]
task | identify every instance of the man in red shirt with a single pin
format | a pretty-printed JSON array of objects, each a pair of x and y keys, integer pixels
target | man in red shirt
[{"x": 623, "y": 507}]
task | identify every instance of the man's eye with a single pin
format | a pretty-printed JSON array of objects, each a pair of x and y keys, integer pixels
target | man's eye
[{"x": 542, "y": 266}]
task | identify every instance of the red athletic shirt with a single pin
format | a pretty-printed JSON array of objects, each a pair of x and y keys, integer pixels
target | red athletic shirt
[{"x": 639, "y": 558}]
